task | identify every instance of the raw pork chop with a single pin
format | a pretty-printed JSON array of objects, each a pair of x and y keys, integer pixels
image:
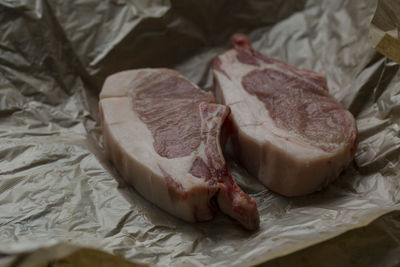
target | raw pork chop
[
  {"x": 162, "y": 134},
  {"x": 286, "y": 128}
]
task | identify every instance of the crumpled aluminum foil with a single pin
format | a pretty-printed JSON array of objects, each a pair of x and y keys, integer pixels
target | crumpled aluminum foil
[{"x": 57, "y": 187}]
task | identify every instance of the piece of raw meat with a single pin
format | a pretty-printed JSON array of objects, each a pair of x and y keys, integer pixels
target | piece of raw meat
[
  {"x": 162, "y": 133},
  {"x": 286, "y": 128}
]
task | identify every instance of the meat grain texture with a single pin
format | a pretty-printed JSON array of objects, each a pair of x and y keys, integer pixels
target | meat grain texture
[
  {"x": 286, "y": 128},
  {"x": 162, "y": 133}
]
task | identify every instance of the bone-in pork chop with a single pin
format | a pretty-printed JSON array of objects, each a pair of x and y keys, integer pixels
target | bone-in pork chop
[
  {"x": 286, "y": 128},
  {"x": 162, "y": 133}
]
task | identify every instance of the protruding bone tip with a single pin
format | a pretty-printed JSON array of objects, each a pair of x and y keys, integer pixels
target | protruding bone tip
[{"x": 240, "y": 41}]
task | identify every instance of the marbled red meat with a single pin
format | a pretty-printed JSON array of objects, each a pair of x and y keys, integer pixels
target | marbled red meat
[
  {"x": 286, "y": 128},
  {"x": 162, "y": 134}
]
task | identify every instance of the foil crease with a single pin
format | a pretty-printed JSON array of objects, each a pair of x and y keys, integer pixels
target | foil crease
[{"x": 56, "y": 186}]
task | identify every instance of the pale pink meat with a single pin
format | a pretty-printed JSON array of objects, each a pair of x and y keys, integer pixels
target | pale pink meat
[
  {"x": 162, "y": 134},
  {"x": 286, "y": 128}
]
